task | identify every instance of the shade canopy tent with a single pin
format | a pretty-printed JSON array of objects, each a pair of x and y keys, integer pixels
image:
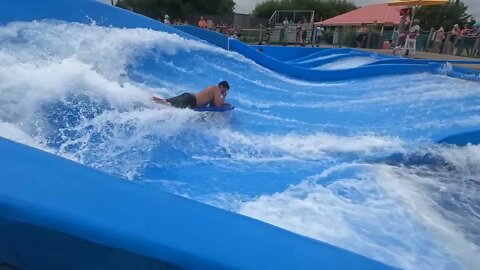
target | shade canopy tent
[
  {"x": 380, "y": 14},
  {"x": 412, "y": 3}
]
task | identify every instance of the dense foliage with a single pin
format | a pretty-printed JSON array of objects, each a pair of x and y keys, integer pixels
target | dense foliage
[
  {"x": 324, "y": 9},
  {"x": 446, "y": 16},
  {"x": 178, "y": 8}
]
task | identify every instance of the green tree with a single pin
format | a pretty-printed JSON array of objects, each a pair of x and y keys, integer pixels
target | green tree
[
  {"x": 178, "y": 8},
  {"x": 324, "y": 9},
  {"x": 446, "y": 16}
]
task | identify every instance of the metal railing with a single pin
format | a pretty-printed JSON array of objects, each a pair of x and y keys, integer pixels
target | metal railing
[
  {"x": 278, "y": 16},
  {"x": 462, "y": 46}
]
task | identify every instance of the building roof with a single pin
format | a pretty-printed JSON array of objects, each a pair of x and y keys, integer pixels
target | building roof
[{"x": 381, "y": 14}]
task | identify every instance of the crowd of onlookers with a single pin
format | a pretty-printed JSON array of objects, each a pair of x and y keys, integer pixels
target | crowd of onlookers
[
  {"x": 167, "y": 20},
  {"x": 454, "y": 41},
  {"x": 304, "y": 33},
  {"x": 447, "y": 42},
  {"x": 206, "y": 24},
  {"x": 458, "y": 38}
]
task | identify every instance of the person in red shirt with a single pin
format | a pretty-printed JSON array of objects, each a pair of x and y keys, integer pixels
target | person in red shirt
[{"x": 202, "y": 23}]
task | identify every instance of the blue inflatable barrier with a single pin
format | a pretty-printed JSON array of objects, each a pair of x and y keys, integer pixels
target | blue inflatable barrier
[
  {"x": 56, "y": 214},
  {"x": 287, "y": 53}
]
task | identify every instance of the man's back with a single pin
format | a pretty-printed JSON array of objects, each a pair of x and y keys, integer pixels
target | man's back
[{"x": 210, "y": 95}]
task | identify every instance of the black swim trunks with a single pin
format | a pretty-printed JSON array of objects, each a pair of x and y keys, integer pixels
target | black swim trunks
[{"x": 185, "y": 100}]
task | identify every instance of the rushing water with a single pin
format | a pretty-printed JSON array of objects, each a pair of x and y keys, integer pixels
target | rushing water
[
  {"x": 308, "y": 157},
  {"x": 347, "y": 63}
]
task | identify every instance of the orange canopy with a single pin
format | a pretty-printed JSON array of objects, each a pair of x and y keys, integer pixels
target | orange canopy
[
  {"x": 411, "y": 3},
  {"x": 373, "y": 14}
]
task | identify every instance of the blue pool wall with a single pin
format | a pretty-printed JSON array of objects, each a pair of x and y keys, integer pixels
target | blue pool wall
[{"x": 57, "y": 214}]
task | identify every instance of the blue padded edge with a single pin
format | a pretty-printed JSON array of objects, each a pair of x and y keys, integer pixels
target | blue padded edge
[{"x": 42, "y": 190}]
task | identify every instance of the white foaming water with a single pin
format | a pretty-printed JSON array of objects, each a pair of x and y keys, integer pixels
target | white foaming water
[
  {"x": 315, "y": 146},
  {"x": 429, "y": 218},
  {"x": 48, "y": 68},
  {"x": 318, "y": 58},
  {"x": 14, "y": 133},
  {"x": 351, "y": 62}
]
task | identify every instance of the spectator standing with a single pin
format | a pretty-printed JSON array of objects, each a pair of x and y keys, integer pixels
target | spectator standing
[
  {"x": 454, "y": 36},
  {"x": 414, "y": 30},
  {"x": 283, "y": 32},
  {"x": 476, "y": 47},
  {"x": 305, "y": 27},
  {"x": 298, "y": 31},
  {"x": 202, "y": 23},
  {"x": 166, "y": 20},
  {"x": 336, "y": 37},
  {"x": 362, "y": 33},
  {"x": 474, "y": 39},
  {"x": 439, "y": 38},
  {"x": 319, "y": 30}
]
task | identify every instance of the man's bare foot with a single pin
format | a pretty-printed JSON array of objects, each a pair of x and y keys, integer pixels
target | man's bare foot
[{"x": 161, "y": 101}]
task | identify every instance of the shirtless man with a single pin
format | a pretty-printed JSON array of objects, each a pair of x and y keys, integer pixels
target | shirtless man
[{"x": 212, "y": 95}]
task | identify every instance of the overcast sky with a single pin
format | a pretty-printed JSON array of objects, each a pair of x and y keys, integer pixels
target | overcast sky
[{"x": 246, "y": 6}]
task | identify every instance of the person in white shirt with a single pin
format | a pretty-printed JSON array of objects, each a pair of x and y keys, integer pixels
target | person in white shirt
[
  {"x": 414, "y": 30},
  {"x": 166, "y": 20},
  {"x": 283, "y": 32},
  {"x": 319, "y": 34}
]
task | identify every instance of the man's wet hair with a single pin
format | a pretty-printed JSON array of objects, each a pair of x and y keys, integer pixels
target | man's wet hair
[{"x": 224, "y": 84}]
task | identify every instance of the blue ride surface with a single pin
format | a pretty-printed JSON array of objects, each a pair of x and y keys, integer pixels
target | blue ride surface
[{"x": 343, "y": 161}]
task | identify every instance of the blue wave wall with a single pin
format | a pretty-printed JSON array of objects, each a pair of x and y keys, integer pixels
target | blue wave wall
[
  {"x": 56, "y": 214},
  {"x": 305, "y": 73}
]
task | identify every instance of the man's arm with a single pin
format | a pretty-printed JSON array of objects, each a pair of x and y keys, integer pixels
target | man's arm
[{"x": 218, "y": 98}]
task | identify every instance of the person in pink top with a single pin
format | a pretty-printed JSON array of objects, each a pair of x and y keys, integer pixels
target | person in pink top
[
  {"x": 453, "y": 38},
  {"x": 202, "y": 23}
]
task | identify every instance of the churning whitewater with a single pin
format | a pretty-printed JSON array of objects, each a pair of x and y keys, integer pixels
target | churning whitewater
[{"x": 313, "y": 158}]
